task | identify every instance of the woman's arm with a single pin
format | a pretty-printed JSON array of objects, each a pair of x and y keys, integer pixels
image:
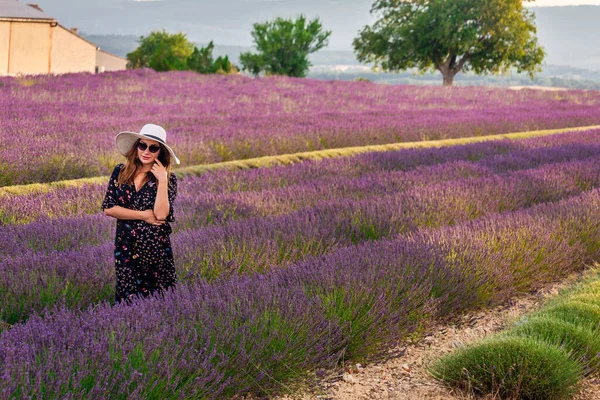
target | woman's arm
[
  {"x": 161, "y": 204},
  {"x": 127, "y": 214},
  {"x": 119, "y": 212},
  {"x": 111, "y": 208}
]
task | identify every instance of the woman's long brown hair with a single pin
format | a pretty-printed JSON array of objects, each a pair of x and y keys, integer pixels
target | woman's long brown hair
[{"x": 133, "y": 163}]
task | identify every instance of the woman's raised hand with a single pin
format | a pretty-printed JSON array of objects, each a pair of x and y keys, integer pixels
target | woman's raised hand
[{"x": 159, "y": 171}]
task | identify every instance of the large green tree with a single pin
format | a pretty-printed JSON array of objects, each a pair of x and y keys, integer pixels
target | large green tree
[
  {"x": 162, "y": 51},
  {"x": 284, "y": 45},
  {"x": 482, "y": 36}
]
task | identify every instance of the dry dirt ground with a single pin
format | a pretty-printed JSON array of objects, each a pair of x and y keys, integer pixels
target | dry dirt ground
[{"x": 405, "y": 377}]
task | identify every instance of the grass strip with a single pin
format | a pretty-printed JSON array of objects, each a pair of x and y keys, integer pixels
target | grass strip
[
  {"x": 543, "y": 356},
  {"x": 289, "y": 159}
]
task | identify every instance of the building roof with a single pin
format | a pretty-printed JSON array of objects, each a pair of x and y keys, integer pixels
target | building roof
[
  {"x": 111, "y": 54},
  {"x": 77, "y": 35},
  {"x": 12, "y": 9}
]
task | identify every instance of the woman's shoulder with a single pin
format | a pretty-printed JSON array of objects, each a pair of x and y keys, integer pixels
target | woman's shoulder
[
  {"x": 117, "y": 170},
  {"x": 119, "y": 167}
]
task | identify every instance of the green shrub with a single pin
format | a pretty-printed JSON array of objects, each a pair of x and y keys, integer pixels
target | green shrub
[
  {"x": 588, "y": 290},
  {"x": 511, "y": 367},
  {"x": 592, "y": 298},
  {"x": 581, "y": 341},
  {"x": 575, "y": 312}
]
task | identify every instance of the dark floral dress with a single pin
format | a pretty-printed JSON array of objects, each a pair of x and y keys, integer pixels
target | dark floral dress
[{"x": 143, "y": 254}]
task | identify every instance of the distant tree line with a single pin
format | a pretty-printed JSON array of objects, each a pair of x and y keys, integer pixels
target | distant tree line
[
  {"x": 162, "y": 51},
  {"x": 449, "y": 36},
  {"x": 283, "y": 47}
]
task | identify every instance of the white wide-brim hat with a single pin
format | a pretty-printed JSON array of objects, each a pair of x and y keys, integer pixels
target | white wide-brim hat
[{"x": 125, "y": 140}]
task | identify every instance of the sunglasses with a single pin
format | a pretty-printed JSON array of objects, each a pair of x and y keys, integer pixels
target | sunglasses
[{"x": 143, "y": 146}]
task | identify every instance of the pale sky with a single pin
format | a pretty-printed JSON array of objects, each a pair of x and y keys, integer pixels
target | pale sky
[
  {"x": 229, "y": 22},
  {"x": 547, "y": 3}
]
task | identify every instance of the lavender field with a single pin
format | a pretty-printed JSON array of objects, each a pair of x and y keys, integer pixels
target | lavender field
[
  {"x": 64, "y": 127},
  {"x": 286, "y": 272}
]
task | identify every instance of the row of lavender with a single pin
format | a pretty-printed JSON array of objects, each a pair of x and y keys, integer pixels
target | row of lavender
[
  {"x": 459, "y": 191},
  {"x": 223, "y": 194},
  {"x": 265, "y": 332},
  {"x": 69, "y": 260},
  {"x": 54, "y": 128}
]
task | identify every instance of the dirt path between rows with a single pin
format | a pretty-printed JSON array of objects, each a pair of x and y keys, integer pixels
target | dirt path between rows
[{"x": 405, "y": 377}]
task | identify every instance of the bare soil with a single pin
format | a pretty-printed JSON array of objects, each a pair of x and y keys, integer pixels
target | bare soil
[{"x": 405, "y": 377}]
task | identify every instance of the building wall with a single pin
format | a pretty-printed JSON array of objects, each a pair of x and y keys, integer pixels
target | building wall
[
  {"x": 29, "y": 48},
  {"x": 38, "y": 48},
  {"x": 4, "y": 37},
  {"x": 108, "y": 62},
  {"x": 70, "y": 53}
]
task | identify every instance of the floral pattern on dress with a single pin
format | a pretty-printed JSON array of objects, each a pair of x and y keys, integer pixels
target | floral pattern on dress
[{"x": 143, "y": 253}]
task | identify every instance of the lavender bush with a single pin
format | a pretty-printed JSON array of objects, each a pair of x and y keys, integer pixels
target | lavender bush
[
  {"x": 55, "y": 128},
  {"x": 225, "y": 194},
  {"x": 242, "y": 334},
  {"x": 287, "y": 271},
  {"x": 248, "y": 333},
  {"x": 447, "y": 186},
  {"x": 71, "y": 258}
]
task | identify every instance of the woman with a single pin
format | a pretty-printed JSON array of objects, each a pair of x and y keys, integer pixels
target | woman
[{"x": 140, "y": 196}]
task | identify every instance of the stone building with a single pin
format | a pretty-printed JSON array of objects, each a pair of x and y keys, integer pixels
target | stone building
[{"x": 31, "y": 42}]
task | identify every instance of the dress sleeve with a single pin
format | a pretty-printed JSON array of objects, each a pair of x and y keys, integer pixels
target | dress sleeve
[
  {"x": 172, "y": 193},
  {"x": 110, "y": 198}
]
